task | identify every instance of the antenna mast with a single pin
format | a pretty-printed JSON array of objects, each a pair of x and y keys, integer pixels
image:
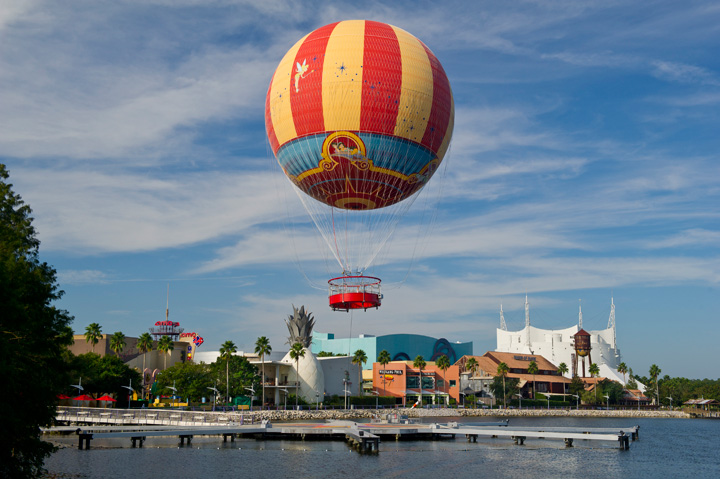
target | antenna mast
[
  {"x": 167, "y": 305},
  {"x": 503, "y": 326}
]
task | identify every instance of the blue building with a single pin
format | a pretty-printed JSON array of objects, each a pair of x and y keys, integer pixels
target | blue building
[{"x": 402, "y": 347}]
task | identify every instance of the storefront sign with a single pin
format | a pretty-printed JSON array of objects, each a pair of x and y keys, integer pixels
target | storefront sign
[{"x": 396, "y": 372}]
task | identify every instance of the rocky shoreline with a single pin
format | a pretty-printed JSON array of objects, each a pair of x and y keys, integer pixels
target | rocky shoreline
[{"x": 344, "y": 414}]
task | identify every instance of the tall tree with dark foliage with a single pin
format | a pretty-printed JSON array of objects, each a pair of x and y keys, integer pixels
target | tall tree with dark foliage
[{"x": 33, "y": 336}]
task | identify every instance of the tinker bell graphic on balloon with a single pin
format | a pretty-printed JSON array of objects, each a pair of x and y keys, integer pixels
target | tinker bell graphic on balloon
[{"x": 300, "y": 72}]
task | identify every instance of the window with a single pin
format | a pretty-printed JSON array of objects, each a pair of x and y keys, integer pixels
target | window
[
  {"x": 452, "y": 383},
  {"x": 412, "y": 382}
]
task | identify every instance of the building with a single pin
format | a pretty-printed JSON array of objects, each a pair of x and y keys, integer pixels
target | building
[
  {"x": 558, "y": 345},
  {"x": 402, "y": 347},
  {"x": 477, "y": 382},
  {"x": 402, "y": 380}
]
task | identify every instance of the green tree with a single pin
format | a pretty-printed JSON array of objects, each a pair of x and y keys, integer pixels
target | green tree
[
  {"x": 443, "y": 362},
  {"x": 263, "y": 348},
  {"x": 242, "y": 372},
  {"x": 296, "y": 352},
  {"x": 359, "y": 358},
  {"x": 384, "y": 358},
  {"x": 34, "y": 335},
  {"x": 117, "y": 343},
  {"x": 144, "y": 344},
  {"x": 594, "y": 370},
  {"x": 472, "y": 365},
  {"x": 103, "y": 374},
  {"x": 191, "y": 380},
  {"x": 419, "y": 363},
  {"x": 577, "y": 385},
  {"x": 504, "y": 386},
  {"x": 502, "y": 371},
  {"x": 93, "y": 334},
  {"x": 622, "y": 369},
  {"x": 227, "y": 350},
  {"x": 654, "y": 373},
  {"x": 166, "y": 346},
  {"x": 562, "y": 370},
  {"x": 533, "y": 369}
]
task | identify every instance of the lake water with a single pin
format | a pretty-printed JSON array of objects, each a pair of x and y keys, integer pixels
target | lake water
[{"x": 676, "y": 448}]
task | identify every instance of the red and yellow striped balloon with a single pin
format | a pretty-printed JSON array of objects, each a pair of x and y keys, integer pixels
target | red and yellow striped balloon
[{"x": 359, "y": 114}]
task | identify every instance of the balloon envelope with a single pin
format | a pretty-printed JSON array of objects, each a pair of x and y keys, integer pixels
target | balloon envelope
[{"x": 359, "y": 114}]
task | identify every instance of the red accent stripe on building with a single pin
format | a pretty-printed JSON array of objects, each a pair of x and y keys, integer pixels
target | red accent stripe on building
[
  {"x": 441, "y": 105},
  {"x": 272, "y": 137},
  {"x": 306, "y": 104},
  {"x": 382, "y": 79}
]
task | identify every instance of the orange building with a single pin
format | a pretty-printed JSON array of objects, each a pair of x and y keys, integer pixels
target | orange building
[{"x": 401, "y": 380}]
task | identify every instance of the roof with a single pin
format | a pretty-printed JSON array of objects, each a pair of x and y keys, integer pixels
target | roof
[
  {"x": 488, "y": 364},
  {"x": 700, "y": 402},
  {"x": 520, "y": 361}
]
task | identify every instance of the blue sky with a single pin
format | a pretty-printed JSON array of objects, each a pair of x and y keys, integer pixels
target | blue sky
[{"x": 584, "y": 165}]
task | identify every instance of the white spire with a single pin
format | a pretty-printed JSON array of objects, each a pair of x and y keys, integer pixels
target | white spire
[
  {"x": 527, "y": 323},
  {"x": 503, "y": 326},
  {"x": 580, "y": 314},
  {"x": 611, "y": 322}
]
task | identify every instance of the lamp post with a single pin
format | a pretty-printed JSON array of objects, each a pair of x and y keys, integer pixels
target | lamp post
[
  {"x": 346, "y": 397},
  {"x": 78, "y": 386},
  {"x": 577, "y": 399},
  {"x": 174, "y": 390},
  {"x": 548, "y": 398},
  {"x": 670, "y": 398},
  {"x": 377, "y": 397},
  {"x": 520, "y": 396},
  {"x": 252, "y": 390},
  {"x": 131, "y": 391},
  {"x": 607, "y": 401},
  {"x": 286, "y": 395},
  {"x": 215, "y": 393},
  {"x": 462, "y": 397}
]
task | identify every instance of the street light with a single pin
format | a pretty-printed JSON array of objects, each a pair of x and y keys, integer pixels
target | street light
[
  {"x": 520, "y": 396},
  {"x": 252, "y": 390},
  {"x": 78, "y": 386},
  {"x": 670, "y": 398},
  {"x": 131, "y": 391},
  {"x": 462, "y": 397},
  {"x": 286, "y": 395},
  {"x": 548, "y": 397},
  {"x": 174, "y": 389},
  {"x": 577, "y": 399},
  {"x": 215, "y": 393},
  {"x": 346, "y": 397},
  {"x": 607, "y": 401},
  {"x": 377, "y": 397}
]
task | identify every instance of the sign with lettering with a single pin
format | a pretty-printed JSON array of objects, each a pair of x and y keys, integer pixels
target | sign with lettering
[
  {"x": 396, "y": 372},
  {"x": 524, "y": 358}
]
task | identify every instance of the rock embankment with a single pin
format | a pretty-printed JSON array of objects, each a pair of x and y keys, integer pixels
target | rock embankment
[{"x": 354, "y": 414}]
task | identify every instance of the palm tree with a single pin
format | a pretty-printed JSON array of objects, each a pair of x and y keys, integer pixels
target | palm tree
[
  {"x": 594, "y": 370},
  {"x": 296, "y": 352},
  {"x": 420, "y": 364},
  {"x": 166, "y": 345},
  {"x": 654, "y": 373},
  {"x": 443, "y": 362},
  {"x": 472, "y": 365},
  {"x": 622, "y": 369},
  {"x": 502, "y": 371},
  {"x": 562, "y": 370},
  {"x": 384, "y": 358},
  {"x": 533, "y": 369},
  {"x": 262, "y": 347},
  {"x": 117, "y": 343},
  {"x": 359, "y": 358},
  {"x": 227, "y": 350},
  {"x": 144, "y": 344},
  {"x": 93, "y": 334}
]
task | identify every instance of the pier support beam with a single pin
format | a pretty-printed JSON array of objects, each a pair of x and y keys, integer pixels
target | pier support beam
[
  {"x": 624, "y": 441},
  {"x": 185, "y": 436},
  {"x": 137, "y": 439},
  {"x": 568, "y": 442},
  {"x": 86, "y": 438},
  {"x": 519, "y": 440}
]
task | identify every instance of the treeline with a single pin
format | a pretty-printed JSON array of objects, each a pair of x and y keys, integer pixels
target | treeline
[{"x": 680, "y": 389}]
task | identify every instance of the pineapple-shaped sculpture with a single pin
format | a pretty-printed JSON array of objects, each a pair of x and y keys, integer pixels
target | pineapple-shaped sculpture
[
  {"x": 309, "y": 373},
  {"x": 300, "y": 325}
]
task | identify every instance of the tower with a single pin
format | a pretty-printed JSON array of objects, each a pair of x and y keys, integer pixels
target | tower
[{"x": 582, "y": 349}]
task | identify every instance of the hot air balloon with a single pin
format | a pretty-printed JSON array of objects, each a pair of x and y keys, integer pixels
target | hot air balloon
[{"x": 359, "y": 115}]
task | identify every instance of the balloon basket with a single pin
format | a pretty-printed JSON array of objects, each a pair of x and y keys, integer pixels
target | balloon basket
[{"x": 354, "y": 292}]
